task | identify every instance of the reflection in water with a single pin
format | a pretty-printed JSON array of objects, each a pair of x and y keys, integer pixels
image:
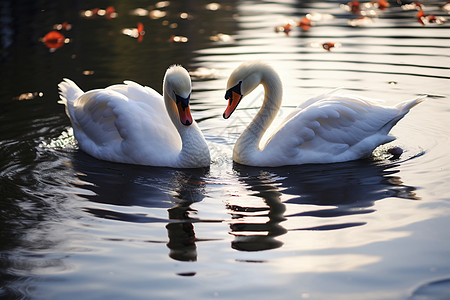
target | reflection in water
[
  {"x": 187, "y": 187},
  {"x": 181, "y": 234},
  {"x": 343, "y": 189},
  {"x": 252, "y": 234},
  {"x": 325, "y": 192},
  {"x": 157, "y": 188}
]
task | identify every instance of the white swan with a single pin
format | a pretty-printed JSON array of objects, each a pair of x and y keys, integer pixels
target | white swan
[
  {"x": 326, "y": 129},
  {"x": 130, "y": 123}
]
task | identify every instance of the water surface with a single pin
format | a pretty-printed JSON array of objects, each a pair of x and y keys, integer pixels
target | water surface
[{"x": 74, "y": 227}]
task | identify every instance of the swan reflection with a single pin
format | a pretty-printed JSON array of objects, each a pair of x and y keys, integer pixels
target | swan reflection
[
  {"x": 308, "y": 198},
  {"x": 256, "y": 228},
  {"x": 268, "y": 203},
  {"x": 169, "y": 194},
  {"x": 187, "y": 187}
]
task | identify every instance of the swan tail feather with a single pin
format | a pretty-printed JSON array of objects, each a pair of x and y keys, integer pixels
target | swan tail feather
[
  {"x": 403, "y": 108},
  {"x": 408, "y": 105},
  {"x": 68, "y": 91}
]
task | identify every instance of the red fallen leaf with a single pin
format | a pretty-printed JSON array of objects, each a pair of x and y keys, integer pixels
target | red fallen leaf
[
  {"x": 141, "y": 32},
  {"x": 355, "y": 7},
  {"x": 286, "y": 28},
  {"x": 383, "y": 4},
  {"x": 328, "y": 46},
  {"x": 432, "y": 19},
  {"x": 305, "y": 23},
  {"x": 53, "y": 39},
  {"x": 53, "y": 36},
  {"x": 66, "y": 26},
  {"x": 110, "y": 12},
  {"x": 418, "y": 5},
  {"x": 420, "y": 16},
  {"x": 140, "y": 27}
]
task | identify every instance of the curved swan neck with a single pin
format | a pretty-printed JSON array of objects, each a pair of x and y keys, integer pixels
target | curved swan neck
[
  {"x": 171, "y": 109},
  {"x": 194, "y": 150},
  {"x": 250, "y": 139}
]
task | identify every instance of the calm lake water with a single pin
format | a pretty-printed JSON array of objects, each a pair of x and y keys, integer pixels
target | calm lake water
[{"x": 73, "y": 227}]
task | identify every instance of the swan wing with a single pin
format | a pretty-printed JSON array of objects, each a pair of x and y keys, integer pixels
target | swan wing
[
  {"x": 125, "y": 123},
  {"x": 136, "y": 92},
  {"x": 310, "y": 102},
  {"x": 333, "y": 128}
]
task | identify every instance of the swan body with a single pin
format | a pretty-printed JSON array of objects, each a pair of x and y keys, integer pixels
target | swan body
[
  {"x": 326, "y": 129},
  {"x": 130, "y": 123}
]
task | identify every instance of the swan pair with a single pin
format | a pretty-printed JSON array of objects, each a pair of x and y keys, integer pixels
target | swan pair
[{"x": 130, "y": 123}]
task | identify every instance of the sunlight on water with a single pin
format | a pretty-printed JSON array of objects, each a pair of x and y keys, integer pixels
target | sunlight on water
[
  {"x": 323, "y": 263},
  {"x": 65, "y": 140}
]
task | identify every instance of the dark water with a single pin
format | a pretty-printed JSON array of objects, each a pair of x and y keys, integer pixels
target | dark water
[{"x": 73, "y": 227}]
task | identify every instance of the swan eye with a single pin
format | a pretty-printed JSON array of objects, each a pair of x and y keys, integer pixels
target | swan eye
[
  {"x": 236, "y": 89},
  {"x": 184, "y": 102}
]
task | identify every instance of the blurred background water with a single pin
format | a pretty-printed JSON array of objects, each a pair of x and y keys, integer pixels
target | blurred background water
[{"x": 73, "y": 227}]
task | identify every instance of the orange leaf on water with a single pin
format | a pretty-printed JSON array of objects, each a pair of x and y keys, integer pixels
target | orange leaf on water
[{"x": 305, "y": 23}]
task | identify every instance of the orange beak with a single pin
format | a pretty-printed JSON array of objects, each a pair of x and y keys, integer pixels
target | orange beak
[
  {"x": 234, "y": 96},
  {"x": 185, "y": 115},
  {"x": 233, "y": 102},
  {"x": 184, "y": 110}
]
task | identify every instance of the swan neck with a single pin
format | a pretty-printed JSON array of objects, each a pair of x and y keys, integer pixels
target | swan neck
[
  {"x": 194, "y": 150},
  {"x": 171, "y": 109},
  {"x": 249, "y": 141}
]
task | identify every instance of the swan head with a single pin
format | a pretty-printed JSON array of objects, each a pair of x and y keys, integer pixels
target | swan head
[
  {"x": 177, "y": 84},
  {"x": 242, "y": 81}
]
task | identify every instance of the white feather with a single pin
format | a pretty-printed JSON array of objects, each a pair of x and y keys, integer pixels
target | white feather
[
  {"x": 325, "y": 129},
  {"x": 129, "y": 123}
]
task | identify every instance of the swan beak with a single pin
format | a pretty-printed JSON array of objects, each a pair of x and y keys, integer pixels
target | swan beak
[
  {"x": 234, "y": 96},
  {"x": 233, "y": 102},
  {"x": 184, "y": 110}
]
